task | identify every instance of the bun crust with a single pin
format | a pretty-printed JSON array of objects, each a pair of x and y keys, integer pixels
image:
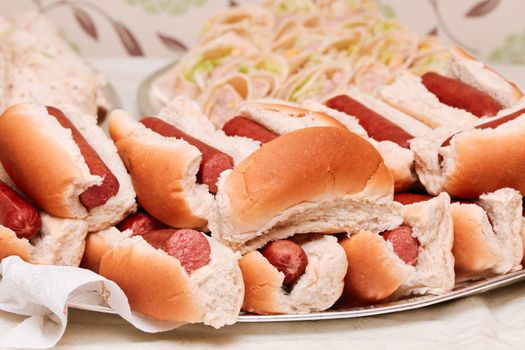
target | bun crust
[
  {"x": 499, "y": 151},
  {"x": 96, "y": 247},
  {"x": 162, "y": 195},
  {"x": 316, "y": 290},
  {"x": 388, "y": 269},
  {"x": 258, "y": 110},
  {"x": 10, "y": 244},
  {"x": 473, "y": 254},
  {"x": 158, "y": 286},
  {"x": 163, "y": 171},
  {"x": 49, "y": 178},
  {"x": 276, "y": 177}
]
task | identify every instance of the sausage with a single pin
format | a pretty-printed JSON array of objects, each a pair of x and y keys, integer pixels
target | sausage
[
  {"x": 455, "y": 93},
  {"x": 213, "y": 163},
  {"x": 96, "y": 195},
  {"x": 17, "y": 214},
  {"x": 405, "y": 245},
  {"x": 140, "y": 223},
  {"x": 378, "y": 127},
  {"x": 491, "y": 125},
  {"x": 288, "y": 257},
  {"x": 242, "y": 126},
  {"x": 409, "y": 198},
  {"x": 188, "y": 246}
]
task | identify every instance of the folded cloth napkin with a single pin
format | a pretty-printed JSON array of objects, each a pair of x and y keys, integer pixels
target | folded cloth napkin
[{"x": 43, "y": 292}]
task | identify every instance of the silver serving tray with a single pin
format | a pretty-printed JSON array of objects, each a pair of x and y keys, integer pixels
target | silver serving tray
[
  {"x": 143, "y": 95},
  {"x": 460, "y": 291}
]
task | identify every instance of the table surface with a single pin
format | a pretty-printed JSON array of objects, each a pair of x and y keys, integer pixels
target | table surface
[{"x": 494, "y": 320}]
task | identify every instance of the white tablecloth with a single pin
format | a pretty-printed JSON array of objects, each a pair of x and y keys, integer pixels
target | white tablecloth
[{"x": 495, "y": 320}]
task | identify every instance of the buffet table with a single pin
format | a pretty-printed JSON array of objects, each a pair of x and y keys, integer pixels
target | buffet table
[{"x": 492, "y": 320}]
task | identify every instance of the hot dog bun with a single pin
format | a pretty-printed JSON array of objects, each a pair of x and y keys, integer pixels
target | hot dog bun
[
  {"x": 49, "y": 169},
  {"x": 10, "y": 244},
  {"x": 475, "y": 159},
  {"x": 275, "y": 194},
  {"x": 282, "y": 117},
  {"x": 316, "y": 290},
  {"x": 413, "y": 126},
  {"x": 410, "y": 96},
  {"x": 185, "y": 114},
  {"x": 487, "y": 235},
  {"x": 172, "y": 196},
  {"x": 60, "y": 242},
  {"x": 369, "y": 255},
  {"x": 158, "y": 286},
  {"x": 474, "y": 73},
  {"x": 376, "y": 273}
]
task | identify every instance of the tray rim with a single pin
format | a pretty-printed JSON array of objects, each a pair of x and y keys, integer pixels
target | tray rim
[
  {"x": 462, "y": 290},
  {"x": 143, "y": 92}
]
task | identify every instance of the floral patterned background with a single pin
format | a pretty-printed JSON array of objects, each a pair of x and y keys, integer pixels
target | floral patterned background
[{"x": 491, "y": 29}]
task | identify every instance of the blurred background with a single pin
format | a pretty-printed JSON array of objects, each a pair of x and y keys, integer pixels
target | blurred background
[{"x": 492, "y": 30}]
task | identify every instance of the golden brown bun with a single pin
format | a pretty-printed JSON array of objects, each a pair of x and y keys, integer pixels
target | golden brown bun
[
  {"x": 171, "y": 161},
  {"x": 476, "y": 161},
  {"x": 10, "y": 244},
  {"x": 257, "y": 110},
  {"x": 388, "y": 270},
  {"x": 261, "y": 280},
  {"x": 473, "y": 254},
  {"x": 96, "y": 247},
  {"x": 276, "y": 177},
  {"x": 156, "y": 288},
  {"x": 46, "y": 179},
  {"x": 501, "y": 164},
  {"x": 512, "y": 94},
  {"x": 161, "y": 195},
  {"x": 45, "y": 163},
  {"x": 159, "y": 287},
  {"x": 317, "y": 289}
]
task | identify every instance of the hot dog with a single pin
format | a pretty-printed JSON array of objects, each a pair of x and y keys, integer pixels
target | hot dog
[
  {"x": 213, "y": 163},
  {"x": 404, "y": 243},
  {"x": 17, "y": 214},
  {"x": 288, "y": 257},
  {"x": 409, "y": 198},
  {"x": 491, "y": 124},
  {"x": 466, "y": 164},
  {"x": 180, "y": 193},
  {"x": 469, "y": 90},
  {"x": 68, "y": 167},
  {"x": 275, "y": 181},
  {"x": 242, "y": 126},
  {"x": 35, "y": 236},
  {"x": 455, "y": 93},
  {"x": 96, "y": 195},
  {"x": 487, "y": 232},
  {"x": 140, "y": 223},
  {"x": 297, "y": 275},
  {"x": 377, "y": 127},
  {"x": 171, "y": 275},
  {"x": 188, "y": 246},
  {"x": 416, "y": 259},
  {"x": 264, "y": 121}
]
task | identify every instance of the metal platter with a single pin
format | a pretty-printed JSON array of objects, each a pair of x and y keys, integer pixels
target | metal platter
[
  {"x": 143, "y": 97},
  {"x": 462, "y": 290}
]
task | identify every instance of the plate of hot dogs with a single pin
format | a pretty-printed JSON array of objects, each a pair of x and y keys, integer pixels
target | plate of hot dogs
[{"x": 353, "y": 205}]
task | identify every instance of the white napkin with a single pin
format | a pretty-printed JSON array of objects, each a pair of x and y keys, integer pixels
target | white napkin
[{"x": 43, "y": 292}]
